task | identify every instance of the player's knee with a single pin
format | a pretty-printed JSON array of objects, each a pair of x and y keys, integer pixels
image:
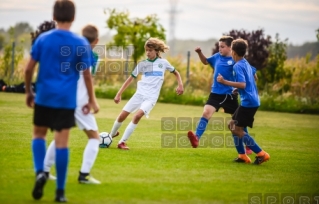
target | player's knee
[
  {"x": 207, "y": 114},
  {"x": 231, "y": 125},
  {"x": 122, "y": 117},
  {"x": 39, "y": 132}
]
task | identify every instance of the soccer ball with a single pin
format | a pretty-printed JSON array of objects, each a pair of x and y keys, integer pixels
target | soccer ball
[{"x": 105, "y": 139}]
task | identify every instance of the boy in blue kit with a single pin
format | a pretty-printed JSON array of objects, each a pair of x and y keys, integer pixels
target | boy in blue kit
[
  {"x": 61, "y": 55},
  {"x": 85, "y": 122},
  {"x": 221, "y": 95},
  {"x": 244, "y": 115}
]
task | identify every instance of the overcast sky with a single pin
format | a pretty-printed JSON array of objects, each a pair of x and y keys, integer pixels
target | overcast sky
[{"x": 201, "y": 19}]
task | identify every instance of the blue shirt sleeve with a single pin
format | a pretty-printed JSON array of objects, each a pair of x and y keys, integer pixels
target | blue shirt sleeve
[
  {"x": 239, "y": 74},
  {"x": 211, "y": 60},
  {"x": 35, "y": 50},
  {"x": 253, "y": 69}
]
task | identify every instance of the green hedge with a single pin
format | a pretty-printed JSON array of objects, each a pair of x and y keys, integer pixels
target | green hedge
[{"x": 268, "y": 102}]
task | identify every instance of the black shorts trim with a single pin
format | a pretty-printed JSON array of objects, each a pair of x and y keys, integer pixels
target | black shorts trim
[
  {"x": 228, "y": 102},
  {"x": 53, "y": 118},
  {"x": 244, "y": 116}
]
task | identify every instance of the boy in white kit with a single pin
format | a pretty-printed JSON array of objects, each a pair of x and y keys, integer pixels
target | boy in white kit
[
  {"x": 85, "y": 122},
  {"x": 148, "y": 88}
]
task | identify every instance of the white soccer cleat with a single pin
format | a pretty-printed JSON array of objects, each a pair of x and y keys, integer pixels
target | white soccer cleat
[
  {"x": 88, "y": 180},
  {"x": 51, "y": 177}
]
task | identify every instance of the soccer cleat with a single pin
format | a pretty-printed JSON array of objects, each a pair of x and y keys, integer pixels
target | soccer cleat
[
  {"x": 50, "y": 176},
  {"x": 123, "y": 146},
  {"x": 87, "y": 179},
  {"x": 261, "y": 159},
  {"x": 248, "y": 150},
  {"x": 193, "y": 139},
  {"x": 242, "y": 158},
  {"x": 40, "y": 181},
  {"x": 59, "y": 196},
  {"x": 117, "y": 134}
]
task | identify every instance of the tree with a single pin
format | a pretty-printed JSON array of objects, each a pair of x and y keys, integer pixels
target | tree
[
  {"x": 274, "y": 70},
  {"x": 133, "y": 31},
  {"x": 6, "y": 58},
  {"x": 22, "y": 28},
  {"x": 2, "y": 39},
  {"x": 258, "y": 45},
  {"x": 317, "y": 34}
]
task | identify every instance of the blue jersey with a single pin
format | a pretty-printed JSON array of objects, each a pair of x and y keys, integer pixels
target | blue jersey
[
  {"x": 244, "y": 73},
  {"x": 61, "y": 55},
  {"x": 224, "y": 66}
]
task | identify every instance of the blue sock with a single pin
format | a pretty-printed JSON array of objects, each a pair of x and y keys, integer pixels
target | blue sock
[
  {"x": 38, "y": 151},
  {"x": 239, "y": 144},
  {"x": 250, "y": 142},
  {"x": 201, "y": 127},
  {"x": 61, "y": 166}
]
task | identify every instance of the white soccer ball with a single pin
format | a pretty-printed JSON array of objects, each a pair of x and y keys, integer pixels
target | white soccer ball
[{"x": 105, "y": 139}]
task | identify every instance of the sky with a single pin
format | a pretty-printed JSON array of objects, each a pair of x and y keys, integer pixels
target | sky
[{"x": 199, "y": 20}]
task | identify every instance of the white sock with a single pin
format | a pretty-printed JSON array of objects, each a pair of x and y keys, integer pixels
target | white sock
[
  {"x": 115, "y": 128},
  {"x": 49, "y": 158},
  {"x": 128, "y": 131},
  {"x": 89, "y": 155}
]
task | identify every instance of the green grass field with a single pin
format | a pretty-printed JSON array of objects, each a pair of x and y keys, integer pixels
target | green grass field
[{"x": 150, "y": 173}]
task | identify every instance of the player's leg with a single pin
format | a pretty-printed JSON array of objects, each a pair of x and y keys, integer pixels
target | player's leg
[
  {"x": 87, "y": 123},
  {"x": 38, "y": 152},
  {"x": 243, "y": 118},
  {"x": 118, "y": 123},
  {"x": 130, "y": 129},
  {"x": 63, "y": 121},
  {"x": 41, "y": 123},
  {"x": 89, "y": 156},
  {"x": 230, "y": 105},
  {"x": 212, "y": 106},
  {"x": 145, "y": 109},
  {"x": 62, "y": 159},
  {"x": 133, "y": 104},
  {"x": 49, "y": 160},
  {"x": 247, "y": 149},
  {"x": 238, "y": 133}
]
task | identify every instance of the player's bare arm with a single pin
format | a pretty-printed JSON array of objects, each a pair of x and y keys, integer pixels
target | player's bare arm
[
  {"x": 92, "y": 104},
  {"x": 201, "y": 56},
  {"x": 180, "y": 87},
  {"x": 128, "y": 81},
  {"x": 239, "y": 85},
  {"x": 28, "y": 73}
]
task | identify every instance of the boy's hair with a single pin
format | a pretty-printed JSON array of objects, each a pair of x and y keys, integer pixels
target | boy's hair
[
  {"x": 239, "y": 46},
  {"x": 227, "y": 40},
  {"x": 156, "y": 44},
  {"x": 90, "y": 32},
  {"x": 43, "y": 27},
  {"x": 64, "y": 11}
]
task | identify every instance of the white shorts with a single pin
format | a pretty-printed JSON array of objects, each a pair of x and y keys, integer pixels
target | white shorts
[
  {"x": 85, "y": 122},
  {"x": 139, "y": 101}
]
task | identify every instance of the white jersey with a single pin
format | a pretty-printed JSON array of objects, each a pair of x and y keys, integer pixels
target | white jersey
[
  {"x": 82, "y": 96},
  {"x": 152, "y": 76}
]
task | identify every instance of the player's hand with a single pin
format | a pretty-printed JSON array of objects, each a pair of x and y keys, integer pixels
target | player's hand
[
  {"x": 117, "y": 98},
  {"x": 198, "y": 50},
  {"x": 180, "y": 90},
  {"x": 235, "y": 91},
  {"x": 30, "y": 99},
  {"x": 220, "y": 78},
  {"x": 86, "y": 109}
]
